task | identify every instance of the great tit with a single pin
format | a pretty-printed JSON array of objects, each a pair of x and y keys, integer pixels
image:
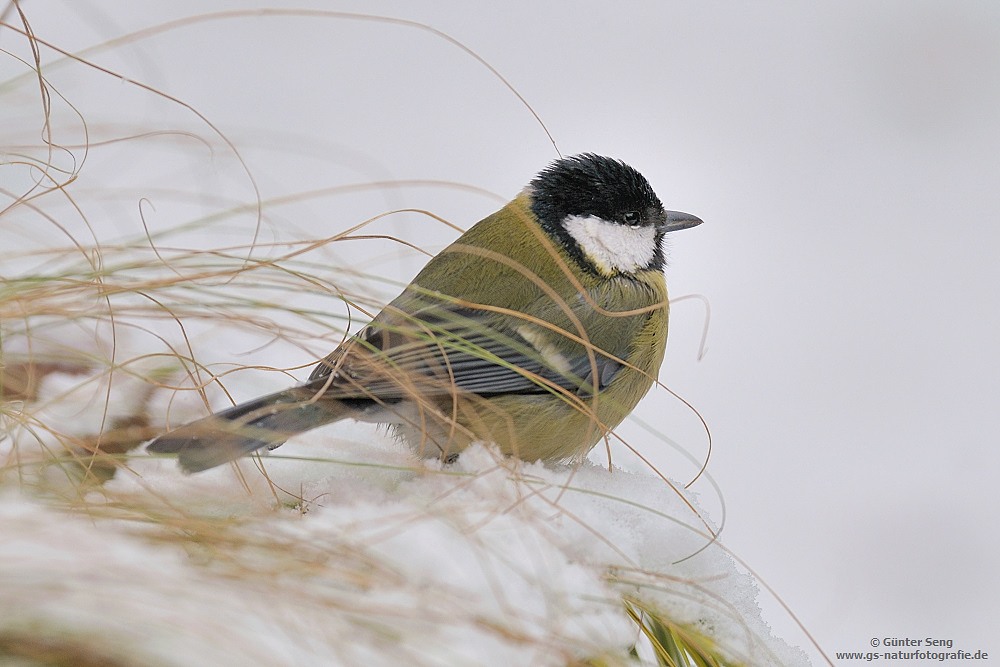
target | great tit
[{"x": 538, "y": 330}]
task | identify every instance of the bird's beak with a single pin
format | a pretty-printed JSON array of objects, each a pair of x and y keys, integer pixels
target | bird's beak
[{"x": 677, "y": 221}]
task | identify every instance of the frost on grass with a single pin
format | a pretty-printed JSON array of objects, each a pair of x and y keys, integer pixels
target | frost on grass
[{"x": 352, "y": 551}]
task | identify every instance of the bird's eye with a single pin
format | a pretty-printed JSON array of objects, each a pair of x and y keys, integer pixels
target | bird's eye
[{"x": 631, "y": 218}]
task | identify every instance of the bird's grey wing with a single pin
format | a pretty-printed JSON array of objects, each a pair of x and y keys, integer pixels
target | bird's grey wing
[{"x": 443, "y": 348}]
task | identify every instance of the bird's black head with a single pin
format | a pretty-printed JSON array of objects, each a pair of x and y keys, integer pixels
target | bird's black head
[{"x": 604, "y": 213}]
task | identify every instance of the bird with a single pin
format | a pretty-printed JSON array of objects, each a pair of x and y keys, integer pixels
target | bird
[{"x": 538, "y": 331}]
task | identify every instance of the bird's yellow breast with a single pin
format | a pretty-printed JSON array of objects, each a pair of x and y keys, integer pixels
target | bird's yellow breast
[{"x": 509, "y": 266}]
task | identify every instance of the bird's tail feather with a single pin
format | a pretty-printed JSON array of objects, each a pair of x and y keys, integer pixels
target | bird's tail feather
[{"x": 264, "y": 422}]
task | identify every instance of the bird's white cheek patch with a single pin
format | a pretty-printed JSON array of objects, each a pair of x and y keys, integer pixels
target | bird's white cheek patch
[{"x": 612, "y": 246}]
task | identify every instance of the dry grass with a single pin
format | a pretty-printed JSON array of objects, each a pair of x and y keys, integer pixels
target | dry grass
[{"x": 106, "y": 338}]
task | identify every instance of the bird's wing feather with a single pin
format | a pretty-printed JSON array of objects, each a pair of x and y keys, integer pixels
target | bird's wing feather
[{"x": 443, "y": 347}]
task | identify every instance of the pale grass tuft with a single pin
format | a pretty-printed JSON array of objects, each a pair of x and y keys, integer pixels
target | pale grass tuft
[{"x": 340, "y": 547}]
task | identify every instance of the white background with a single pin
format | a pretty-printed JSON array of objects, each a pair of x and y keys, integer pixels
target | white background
[{"x": 844, "y": 155}]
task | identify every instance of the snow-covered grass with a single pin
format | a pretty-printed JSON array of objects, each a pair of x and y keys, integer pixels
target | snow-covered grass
[
  {"x": 367, "y": 558},
  {"x": 341, "y": 547}
]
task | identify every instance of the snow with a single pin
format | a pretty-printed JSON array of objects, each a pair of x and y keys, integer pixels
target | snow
[{"x": 353, "y": 551}]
